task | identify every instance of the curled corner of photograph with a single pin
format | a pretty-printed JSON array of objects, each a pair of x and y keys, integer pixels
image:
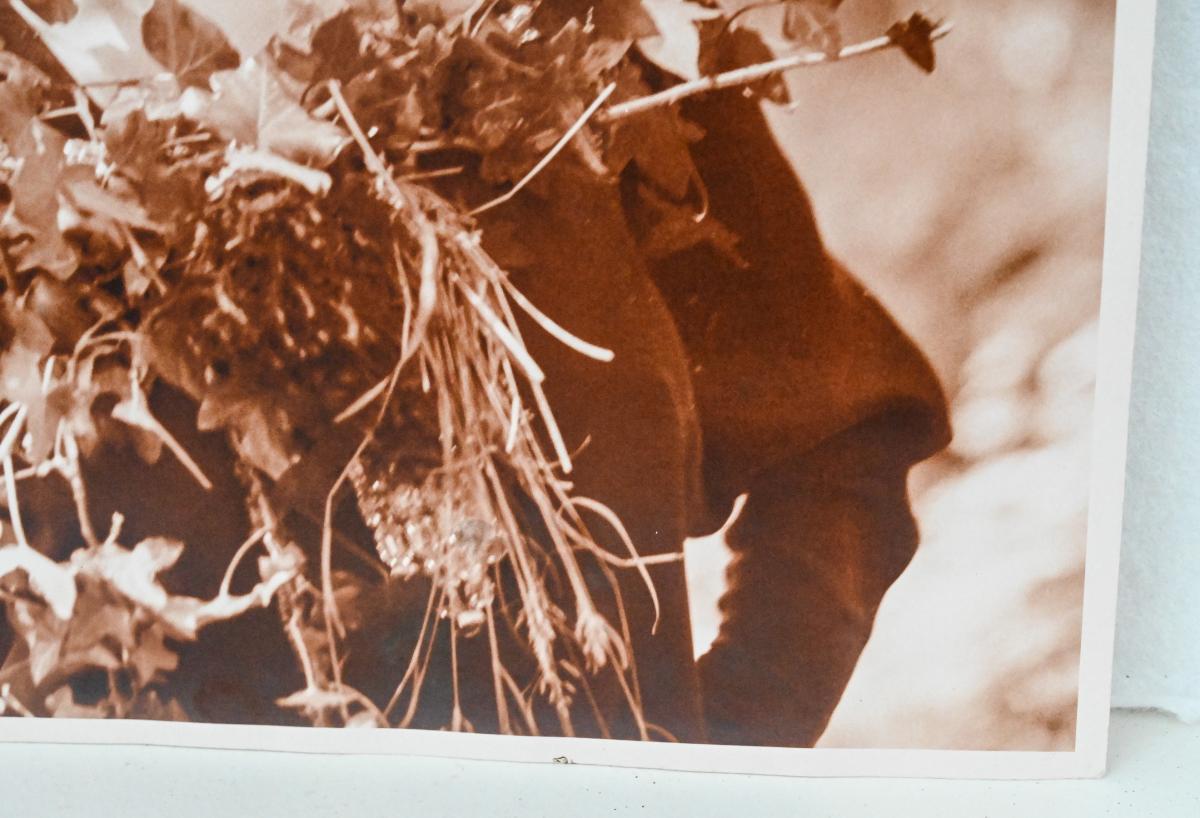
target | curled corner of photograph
[{"x": 677, "y": 383}]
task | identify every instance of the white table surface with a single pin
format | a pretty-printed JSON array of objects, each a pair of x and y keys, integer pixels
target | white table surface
[{"x": 1154, "y": 772}]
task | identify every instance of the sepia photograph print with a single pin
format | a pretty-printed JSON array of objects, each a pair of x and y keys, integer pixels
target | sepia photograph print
[{"x": 707, "y": 384}]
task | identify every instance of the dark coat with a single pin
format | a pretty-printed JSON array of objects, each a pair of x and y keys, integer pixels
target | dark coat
[
  {"x": 794, "y": 386},
  {"x": 785, "y": 380}
]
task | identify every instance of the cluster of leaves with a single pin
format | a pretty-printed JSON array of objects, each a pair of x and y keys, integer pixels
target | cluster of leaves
[
  {"x": 208, "y": 226},
  {"x": 93, "y": 630}
]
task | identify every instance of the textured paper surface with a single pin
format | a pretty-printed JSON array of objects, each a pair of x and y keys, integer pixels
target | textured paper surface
[{"x": 1158, "y": 653}]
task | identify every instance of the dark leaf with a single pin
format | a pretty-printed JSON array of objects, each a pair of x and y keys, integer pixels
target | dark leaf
[
  {"x": 59, "y": 305},
  {"x": 671, "y": 228},
  {"x": 504, "y": 244},
  {"x": 914, "y": 36},
  {"x": 22, "y": 42},
  {"x": 169, "y": 352},
  {"x": 185, "y": 43}
]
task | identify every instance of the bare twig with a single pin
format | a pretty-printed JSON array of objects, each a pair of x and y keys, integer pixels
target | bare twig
[
  {"x": 17, "y": 412},
  {"x": 596, "y": 353},
  {"x": 245, "y": 547},
  {"x": 370, "y": 157},
  {"x": 750, "y": 74}
]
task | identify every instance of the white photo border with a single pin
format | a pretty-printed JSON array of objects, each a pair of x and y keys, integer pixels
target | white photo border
[{"x": 1128, "y": 139}]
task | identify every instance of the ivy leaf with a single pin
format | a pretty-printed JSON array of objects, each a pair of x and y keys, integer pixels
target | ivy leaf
[
  {"x": 52, "y": 582},
  {"x": 43, "y": 632},
  {"x": 261, "y": 440},
  {"x": 185, "y": 43},
  {"x": 21, "y": 380},
  {"x": 914, "y": 36},
  {"x": 106, "y": 207},
  {"x": 261, "y": 430},
  {"x": 132, "y": 574},
  {"x": 101, "y": 627},
  {"x": 151, "y": 656},
  {"x": 33, "y": 214},
  {"x": 813, "y": 24},
  {"x": 676, "y": 46},
  {"x": 135, "y": 144},
  {"x": 334, "y": 51},
  {"x": 657, "y": 142},
  {"x": 249, "y": 106}
]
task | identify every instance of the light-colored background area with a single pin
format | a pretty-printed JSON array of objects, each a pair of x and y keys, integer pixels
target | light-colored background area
[{"x": 972, "y": 202}]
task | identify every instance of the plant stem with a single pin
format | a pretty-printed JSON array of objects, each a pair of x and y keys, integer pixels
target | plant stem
[{"x": 751, "y": 73}]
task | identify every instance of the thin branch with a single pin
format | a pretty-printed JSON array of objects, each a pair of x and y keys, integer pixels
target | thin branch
[
  {"x": 18, "y": 413},
  {"x": 752, "y": 73},
  {"x": 245, "y": 547},
  {"x": 370, "y": 157},
  {"x": 596, "y": 353}
]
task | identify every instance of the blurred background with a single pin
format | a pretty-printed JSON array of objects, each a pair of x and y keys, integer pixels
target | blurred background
[{"x": 972, "y": 202}]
